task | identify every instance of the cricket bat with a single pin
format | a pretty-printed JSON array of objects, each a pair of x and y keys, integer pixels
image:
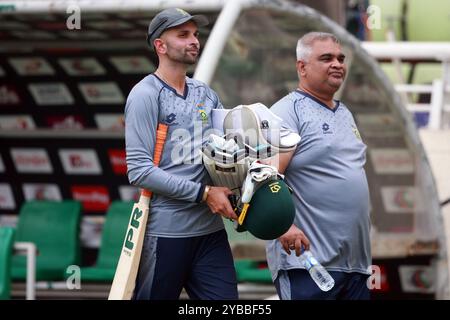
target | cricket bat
[{"x": 127, "y": 268}]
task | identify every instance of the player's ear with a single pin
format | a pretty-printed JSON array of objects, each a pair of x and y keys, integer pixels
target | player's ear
[
  {"x": 301, "y": 68},
  {"x": 160, "y": 46}
]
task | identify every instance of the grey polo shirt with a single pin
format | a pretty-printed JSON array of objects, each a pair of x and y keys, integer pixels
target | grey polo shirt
[
  {"x": 178, "y": 182},
  {"x": 331, "y": 194}
]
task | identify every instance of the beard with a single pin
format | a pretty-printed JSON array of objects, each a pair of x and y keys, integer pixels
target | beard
[{"x": 185, "y": 56}]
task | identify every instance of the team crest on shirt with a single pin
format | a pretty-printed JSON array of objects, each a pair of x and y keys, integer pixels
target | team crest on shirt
[
  {"x": 356, "y": 132},
  {"x": 202, "y": 113}
]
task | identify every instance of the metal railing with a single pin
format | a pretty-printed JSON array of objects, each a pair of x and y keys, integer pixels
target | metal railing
[{"x": 417, "y": 52}]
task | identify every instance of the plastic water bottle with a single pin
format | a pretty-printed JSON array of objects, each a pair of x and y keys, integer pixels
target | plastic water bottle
[{"x": 318, "y": 273}]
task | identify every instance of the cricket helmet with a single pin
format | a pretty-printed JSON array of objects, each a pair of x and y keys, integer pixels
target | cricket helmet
[{"x": 271, "y": 210}]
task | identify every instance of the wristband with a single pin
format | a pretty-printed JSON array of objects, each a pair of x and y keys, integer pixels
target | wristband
[{"x": 205, "y": 193}]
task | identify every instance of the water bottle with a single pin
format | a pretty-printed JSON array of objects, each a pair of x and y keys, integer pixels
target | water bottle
[{"x": 318, "y": 273}]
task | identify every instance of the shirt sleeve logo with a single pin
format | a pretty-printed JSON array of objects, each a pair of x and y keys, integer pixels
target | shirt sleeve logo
[{"x": 356, "y": 132}]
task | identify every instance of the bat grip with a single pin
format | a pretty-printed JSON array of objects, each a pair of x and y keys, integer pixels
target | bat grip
[{"x": 161, "y": 135}]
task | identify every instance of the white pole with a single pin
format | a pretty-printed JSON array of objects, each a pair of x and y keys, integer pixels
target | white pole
[
  {"x": 437, "y": 103},
  {"x": 30, "y": 252},
  {"x": 216, "y": 41}
]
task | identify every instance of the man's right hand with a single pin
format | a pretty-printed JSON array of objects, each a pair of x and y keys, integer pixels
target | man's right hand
[
  {"x": 294, "y": 238},
  {"x": 217, "y": 200}
]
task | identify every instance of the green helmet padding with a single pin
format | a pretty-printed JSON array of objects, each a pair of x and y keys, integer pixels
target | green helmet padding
[{"x": 271, "y": 211}]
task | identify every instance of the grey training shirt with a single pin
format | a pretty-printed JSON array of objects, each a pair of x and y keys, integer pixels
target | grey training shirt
[
  {"x": 331, "y": 193},
  {"x": 177, "y": 182}
]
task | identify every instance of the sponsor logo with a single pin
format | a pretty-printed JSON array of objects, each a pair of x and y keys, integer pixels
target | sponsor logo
[
  {"x": 80, "y": 161},
  {"x": 326, "y": 128},
  {"x": 51, "y": 94},
  {"x": 417, "y": 279},
  {"x": 73, "y": 122},
  {"x": 398, "y": 199},
  {"x": 6, "y": 197},
  {"x": 82, "y": 67},
  {"x": 114, "y": 122},
  {"x": 101, "y": 93},
  {"x": 132, "y": 64},
  {"x": 93, "y": 198},
  {"x": 133, "y": 226},
  {"x": 264, "y": 124},
  {"x": 31, "y": 66},
  {"x": 8, "y": 95},
  {"x": 392, "y": 161},
  {"x": 31, "y": 160},
  {"x": 118, "y": 161},
  {"x": 171, "y": 118},
  {"x": 41, "y": 191},
  {"x": 129, "y": 193},
  {"x": 16, "y": 122}
]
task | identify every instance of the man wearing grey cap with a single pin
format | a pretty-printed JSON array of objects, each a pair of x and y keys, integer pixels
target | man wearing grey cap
[{"x": 185, "y": 244}]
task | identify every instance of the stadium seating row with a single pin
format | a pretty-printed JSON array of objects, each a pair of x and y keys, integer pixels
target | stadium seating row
[{"x": 54, "y": 227}]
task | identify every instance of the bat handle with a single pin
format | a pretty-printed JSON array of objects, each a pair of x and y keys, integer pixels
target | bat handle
[
  {"x": 161, "y": 135},
  {"x": 146, "y": 193},
  {"x": 145, "y": 197}
]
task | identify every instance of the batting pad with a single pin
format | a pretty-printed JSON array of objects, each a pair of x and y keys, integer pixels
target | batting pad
[{"x": 230, "y": 175}]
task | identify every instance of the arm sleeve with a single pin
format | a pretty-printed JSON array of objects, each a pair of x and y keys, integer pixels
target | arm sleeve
[
  {"x": 212, "y": 95},
  {"x": 141, "y": 121},
  {"x": 218, "y": 103},
  {"x": 287, "y": 110}
]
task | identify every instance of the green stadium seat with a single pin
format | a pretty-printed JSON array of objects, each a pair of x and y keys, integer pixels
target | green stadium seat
[
  {"x": 113, "y": 233},
  {"x": 249, "y": 271},
  {"x": 54, "y": 228},
  {"x": 6, "y": 250}
]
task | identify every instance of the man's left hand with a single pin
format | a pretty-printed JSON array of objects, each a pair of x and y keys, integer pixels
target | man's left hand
[{"x": 294, "y": 238}]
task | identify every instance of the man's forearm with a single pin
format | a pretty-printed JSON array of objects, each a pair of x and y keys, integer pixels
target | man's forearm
[{"x": 161, "y": 182}]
